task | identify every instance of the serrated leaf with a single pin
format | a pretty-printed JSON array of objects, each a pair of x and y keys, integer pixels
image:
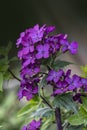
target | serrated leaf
[
  {"x": 60, "y": 64},
  {"x": 65, "y": 101},
  {"x": 30, "y": 107},
  {"x": 74, "y": 128},
  {"x": 9, "y": 46},
  {"x": 43, "y": 82},
  {"x": 84, "y": 102},
  {"x": 13, "y": 59},
  {"x": 2, "y": 51},
  {"x": 46, "y": 124},
  {"x": 84, "y": 70},
  {"x": 1, "y": 81},
  {"x": 6, "y": 75},
  {"x": 5, "y": 50},
  {"x": 84, "y": 128},
  {"x": 80, "y": 118},
  {"x": 42, "y": 112},
  {"x": 47, "y": 61},
  {"x": 4, "y": 68},
  {"x": 4, "y": 64}
]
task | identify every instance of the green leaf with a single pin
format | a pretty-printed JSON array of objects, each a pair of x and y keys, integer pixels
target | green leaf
[
  {"x": 75, "y": 128},
  {"x": 46, "y": 124},
  {"x": 13, "y": 59},
  {"x": 5, "y": 50},
  {"x": 84, "y": 128},
  {"x": 1, "y": 81},
  {"x": 42, "y": 112},
  {"x": 60, "y": 64},
  {"x": 4, "y": 64},
  {"x": 84, "y": 70},
  {"x": 9, "y": 46},
  {"x": 2, "y": 51},
  {"x": 84, "y": 102},
  {"x": 80, "y": 118},
  {"x": 47, "y": 61},
  {"x": 65, "y": 101},
  {"x": 43, "y": 82},
  {"x": 4, "y": 68},
  {"x": 28, "y": 109},
  {"x": 6, "y": 75}
]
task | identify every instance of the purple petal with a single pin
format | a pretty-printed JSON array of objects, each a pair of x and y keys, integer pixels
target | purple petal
[
  {"x": 26, "y": 63},
  {"x": 46, "y": 55},
  {"x": 24, "y": 128},
  {"x": 58, "y": 91},
  {"x": 31, "y": 48},
  {"x": 39, "y": 48},
  {"x": 27, "y": 94},
  {"x": 39, "y": 55},
  {"x": 49, "y": 29},
  {"x": 20, "y": 95},
  {"x": 18, "y": 42},
  {"x": 36, "y": 27},
  {"x": 35, "y": 90},
  {"x": 46, "y": 47},
  {"x": 73, "y": 47},
  {"x": 71, "y": 87}
]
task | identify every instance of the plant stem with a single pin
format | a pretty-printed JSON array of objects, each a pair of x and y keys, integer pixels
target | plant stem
[
  {"x": 46, "y": 101},
  {"x": 58, "y": 119},
  {"x": 13, "y": 75}
]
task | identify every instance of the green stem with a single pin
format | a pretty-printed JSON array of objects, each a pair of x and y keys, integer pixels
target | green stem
[
  {"x": 45, "y": 101},
  {"x": 13, "y": 75}
]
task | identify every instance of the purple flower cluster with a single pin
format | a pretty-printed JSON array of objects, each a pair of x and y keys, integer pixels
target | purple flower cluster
[
  {"x": 63, "y": 82},
  {"x": 36, "y": 45},
  {"x": 34, "y": 125}
]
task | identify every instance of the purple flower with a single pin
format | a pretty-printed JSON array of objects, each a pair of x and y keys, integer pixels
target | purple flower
[
  {"x": 64, "y": 44},
  {"x": 73, "y": 47},
  {"x": 29, "y": 59},
  {"x": 84, "y": 83},
  {"x": 30, "y": 71},
  {"x": 49, "y": 29},
  {"x": 74, "y": 82},
  {"x": 68, "y": 73},
  {"x": 37, "y": 33},
  {"x": 36, "y": 47},
  {"x": 42, "y": 51},
  {"x": 63, "y": 82},
  {"x": 20, "y": 95},
  {"x": 62, "y": 36},
  {"x": 23, "y": 52},
  {"x": 53, "y": 41},
  {"x": 69, "y": 47},
  {"x": 34, "y": 125},
  {"x": 19, "y": 40},
  {"x": 54, "y": 75},
  {"x": 57, "y": 91},
  {"x": 28, "y": 92},
  {"x": 29, "y": 88},
  {"x": 61, "y": 87}
]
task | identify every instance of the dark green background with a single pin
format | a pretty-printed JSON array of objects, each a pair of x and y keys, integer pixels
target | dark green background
[{"x": 16, "y": 15}]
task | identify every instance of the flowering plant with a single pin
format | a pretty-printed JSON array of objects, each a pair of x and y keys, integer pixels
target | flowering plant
[
  {"x": 41, "y": 68},
  {"x": 54, "y": 95}
]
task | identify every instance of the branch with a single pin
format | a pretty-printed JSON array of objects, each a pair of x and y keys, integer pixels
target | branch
[
  {"x": 13, "y": 75},
  {"x": 58, "y": 118},
  {"x": 46, "y": 101}
]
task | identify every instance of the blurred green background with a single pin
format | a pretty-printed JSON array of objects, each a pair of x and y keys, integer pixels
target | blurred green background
[{"x": 69, "y": 16}]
